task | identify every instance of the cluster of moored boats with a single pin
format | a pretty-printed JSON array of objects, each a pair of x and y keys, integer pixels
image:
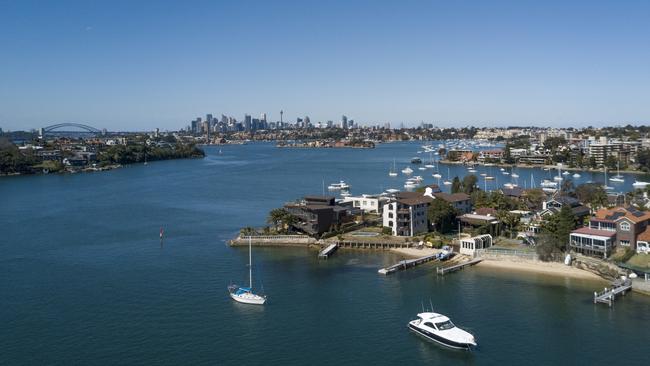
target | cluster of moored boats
[{"x": 550, "y": 184}]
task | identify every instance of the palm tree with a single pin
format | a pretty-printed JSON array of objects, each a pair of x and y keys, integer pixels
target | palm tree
[
  {"x": 289, "y": 220},
  {"x": 276, "y": 217}
]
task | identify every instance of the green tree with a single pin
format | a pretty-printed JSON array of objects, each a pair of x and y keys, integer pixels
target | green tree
[
  {"x": 535, "y": 197},
  {"x": 276, "y": 217},
  {"x": 442, "y": 215},
  {"x": 559, "y": 225},
  {"x": 456, "y": 186},
  {"x": 469, "y": 183},
  {"x": 592, "y": 194},
  {"x": 611, "y": 162},
  {"x": 510, "y": 220},
  {"x": 567, "y": 186}
]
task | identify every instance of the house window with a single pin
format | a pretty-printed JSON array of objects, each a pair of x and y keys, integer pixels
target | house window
[
  {"x": 625, "y": 243},
  {"x": 625, "y": 226}
]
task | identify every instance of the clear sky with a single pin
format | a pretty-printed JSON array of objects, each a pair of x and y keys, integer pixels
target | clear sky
[{"x": 136, "y": 65}]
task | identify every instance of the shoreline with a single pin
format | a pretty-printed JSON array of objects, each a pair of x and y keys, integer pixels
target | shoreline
[
  {"x": 544, "y": 268},
  {"x": 516, "y": 265},
  {"x": 527, "y": 166}
]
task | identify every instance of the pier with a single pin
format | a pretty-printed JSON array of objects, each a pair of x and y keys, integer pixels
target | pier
[
  {"x": 608, "y": 295},
  {"x": 372, "y": 244},
  {"x": 457, "y": 267},
  {"x": 408, "y": 263},
  {"x": 329, "y": 250}
]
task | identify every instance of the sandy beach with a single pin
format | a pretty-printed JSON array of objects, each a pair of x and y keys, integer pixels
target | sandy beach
[
  {"x": 553, "y": 268},
  {"x": 546, "y": 268},
  {"x": 416, "y": 253}
]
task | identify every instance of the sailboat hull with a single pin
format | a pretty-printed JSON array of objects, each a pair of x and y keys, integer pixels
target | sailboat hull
[{"x": 249, "y": 298}]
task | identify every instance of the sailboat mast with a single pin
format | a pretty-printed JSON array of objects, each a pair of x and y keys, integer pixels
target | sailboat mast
[{"x": 250, "y": 262}]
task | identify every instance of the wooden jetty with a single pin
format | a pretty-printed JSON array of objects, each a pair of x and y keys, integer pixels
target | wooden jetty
[
  {"x": 608, "y": 295},
  {"x": 407, "y": 263},
  {"x": 457, "y": 267},
  {"x": 329, "y": 250}
]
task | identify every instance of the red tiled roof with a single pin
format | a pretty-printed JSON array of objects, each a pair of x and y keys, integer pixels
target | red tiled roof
[
  {"x": 645, "y": 235},
  {"x": 619, "y": 212},
  {"x": 595, "y": 232}
]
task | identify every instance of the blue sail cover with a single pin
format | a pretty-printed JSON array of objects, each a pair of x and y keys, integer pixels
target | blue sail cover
[{"x": 242, "y": 290}]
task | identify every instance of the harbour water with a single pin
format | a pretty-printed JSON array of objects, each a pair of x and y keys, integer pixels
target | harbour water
[{"x": 86, "y": 281}]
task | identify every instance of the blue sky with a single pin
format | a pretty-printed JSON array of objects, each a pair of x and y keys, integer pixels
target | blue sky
[{"x": 137, "y": 65}]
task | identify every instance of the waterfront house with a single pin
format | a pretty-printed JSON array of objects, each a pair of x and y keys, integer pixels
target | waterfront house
[
  {"x": 534, "y": 159},
  {"x": 624, "y": 227},
  {"x": 514, "y": 192},
  {"x": 406, "y": 213},
  {"x": 317, "y": 214},
  {"x": 368, "y": 203},
  {"x": 475, "y": 220},
  {"x": 490, "y": 156},
  {"x": 556, "y": 203},
  {"x": 469, "y": 245},
  {"x": 460, "y": 155},
  {"x": 460, "y": 201}
]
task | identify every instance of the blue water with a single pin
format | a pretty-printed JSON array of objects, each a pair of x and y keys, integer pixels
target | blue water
[{"x": 84, "y": 279}]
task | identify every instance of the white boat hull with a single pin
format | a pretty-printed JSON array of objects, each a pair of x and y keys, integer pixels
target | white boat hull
[
  {"x": 249, "y": 298},
  {"x": 438, "y": 339}
]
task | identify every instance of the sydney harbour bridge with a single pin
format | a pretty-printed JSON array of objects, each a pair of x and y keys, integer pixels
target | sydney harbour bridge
[{"x": 70, "y": 129}]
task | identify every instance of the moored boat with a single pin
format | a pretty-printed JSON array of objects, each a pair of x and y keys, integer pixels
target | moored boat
[{"x": 439, "y": 328}]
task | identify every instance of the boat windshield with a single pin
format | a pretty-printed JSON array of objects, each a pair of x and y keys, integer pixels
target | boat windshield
[{"x": 445, "y": 325}]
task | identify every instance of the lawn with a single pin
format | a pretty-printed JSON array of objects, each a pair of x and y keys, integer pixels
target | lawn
[{"x": 640, "y": 261}]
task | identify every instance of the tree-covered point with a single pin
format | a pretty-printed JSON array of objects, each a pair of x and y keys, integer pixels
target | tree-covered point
[
  {"x": 129, "y": 154},
  {"x": 13, "y": 161}
]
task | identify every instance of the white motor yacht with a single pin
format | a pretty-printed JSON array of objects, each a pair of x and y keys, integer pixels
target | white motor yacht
[
  {"x": 548, "y": 184},
  {"x": 640, "y": 184},
  {"x": 407, "y": 170},
  {"x": 576, "y": 175},
  {"x": 440, "y": 329},
  {"x": 338, "y": 186}
]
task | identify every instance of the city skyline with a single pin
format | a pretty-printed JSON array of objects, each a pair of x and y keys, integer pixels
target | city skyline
[{"x": 141, "y": 66}]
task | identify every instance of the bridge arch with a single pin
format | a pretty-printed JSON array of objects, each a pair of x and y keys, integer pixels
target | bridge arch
[{"x": 77, "y": 125}]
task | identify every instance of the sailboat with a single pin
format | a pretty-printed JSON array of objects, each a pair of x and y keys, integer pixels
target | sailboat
[
  {"x": 437, "y": 174},
  {"x": 605, "y": 186},
  {"x": 245, "y": 294},
  {"x": 393, "y": 173},
  {"x": 558, "y": 177},
  {"x": 430, "y": 164},
  {"x": 447, "y": 182},
  {"x": 618, "y": 177}
]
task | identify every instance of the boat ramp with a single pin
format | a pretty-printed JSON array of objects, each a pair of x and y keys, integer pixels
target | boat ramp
[
  {"x": 608, "y": 295},
  {"x": 408, "y": 263},
  {"x": 457, "y": 267},
  {"x": 329, "y": 250}
]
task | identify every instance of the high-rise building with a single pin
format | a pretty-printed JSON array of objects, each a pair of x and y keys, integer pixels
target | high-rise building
[
  {"x": 344, "y": 122},
  {"x": 248, "y": 121}
]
